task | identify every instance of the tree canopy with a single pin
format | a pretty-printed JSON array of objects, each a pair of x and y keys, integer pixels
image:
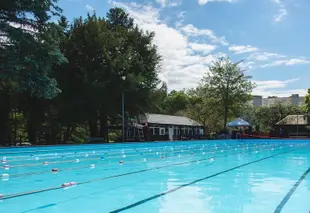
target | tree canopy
[
  {"x": 227, "y": 86},
  {"x": 307, "y": 101}
]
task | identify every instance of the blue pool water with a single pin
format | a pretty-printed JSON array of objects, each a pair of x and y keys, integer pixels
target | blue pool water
[{"x": 175, "y": 177}]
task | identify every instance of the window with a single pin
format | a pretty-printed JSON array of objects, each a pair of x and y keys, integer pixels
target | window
[
  {"x": 156, "y": 131},
  {"x": 152, "y": 130},
  {"x": 162, "y": 131},
  {"x": 185, "y": 131},
  {"x": 197, "y": 131}
]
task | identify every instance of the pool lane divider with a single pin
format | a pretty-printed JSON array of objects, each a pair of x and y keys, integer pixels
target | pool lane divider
[
  {"x": 55, "y": 170},
  {"x": 102, "y": 146},
  {"x": 76, "y": 154},
  {"x": 106, "y": 149},
  {"x": 94, "y": 153},
  {"x": 196, "y": 181},
  {"x": 4, "y": 197},
  {"x": 116, "y": 155},
  {"x": 291, "y": 192},
  {"x": 92, "y": 166},
  {"x": 108, "y": 157}
]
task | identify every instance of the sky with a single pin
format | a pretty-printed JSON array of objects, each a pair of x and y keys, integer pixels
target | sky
[{"x": 271, "y": 36}]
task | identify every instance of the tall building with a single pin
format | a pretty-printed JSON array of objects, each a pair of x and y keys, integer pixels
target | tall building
[
  {"x": 258, "y": 100},
  {"x": 294, "y": 99}
]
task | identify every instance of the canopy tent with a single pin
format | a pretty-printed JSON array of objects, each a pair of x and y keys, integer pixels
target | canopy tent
[{"x": 238, "y": 123}]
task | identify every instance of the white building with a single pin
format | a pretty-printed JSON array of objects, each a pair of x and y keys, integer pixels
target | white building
[{"x": 294, "y": 99}]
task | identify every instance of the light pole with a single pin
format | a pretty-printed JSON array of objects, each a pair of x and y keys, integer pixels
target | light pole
[{"x": 123, "y": 111}]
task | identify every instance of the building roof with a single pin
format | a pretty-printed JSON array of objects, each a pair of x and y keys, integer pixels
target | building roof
[
  {"x": 170, "y": 120},
  {"x": 294, "y": 120}
]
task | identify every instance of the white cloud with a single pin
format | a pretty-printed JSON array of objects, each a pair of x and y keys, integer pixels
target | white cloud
[
  {"x": 242, "y": 49},
  {"x": 204, "y": 48},
  {"x": 161, "y": 2},
  {"x": 89, "y": 8},
  {"x": 282, "y": 11},
  {"x": 169, "y": 3},
  {"x": 288, "y": 62},
  {"x": 294, "y": 61},
  {"x": 191, "y": 30},
  {"x": 181, "y": 18},
  {"x": 265, "y": 56},
  {"x": 272, "y": 84},
  {"x": 247, "y": 65},
  {"x": 277, "y": 88},
  {"x": 203, "y": 2},
  {"x": 180, "y": 68},
  {"x": 186, "y": 58}
]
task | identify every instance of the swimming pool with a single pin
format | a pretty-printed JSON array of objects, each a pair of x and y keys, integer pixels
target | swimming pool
[{"x": 182, "y": 177}]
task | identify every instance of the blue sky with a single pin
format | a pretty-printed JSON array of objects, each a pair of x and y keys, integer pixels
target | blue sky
[{"x": 272, "y": 36}]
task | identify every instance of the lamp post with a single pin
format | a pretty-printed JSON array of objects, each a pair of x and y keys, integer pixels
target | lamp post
[{"x": 123, "y": 111}]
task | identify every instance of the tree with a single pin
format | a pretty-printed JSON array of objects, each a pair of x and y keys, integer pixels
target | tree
[
  {"x": 228, "y": 86},
  {"x": 157, "y": 98},
  {"x": 107, "y": 57},
  {"x": 307, "y": 101},
  {"x": 201, "y": 108},
  {"x": 266, "y": 117},
  {"x": 28, "y": 51},
  {"x": 175, "y": 101}
]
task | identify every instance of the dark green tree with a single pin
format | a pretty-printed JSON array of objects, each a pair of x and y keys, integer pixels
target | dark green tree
[
  {"x": 107, "y": 57},
  {"x": 176, "y": 101},
  {"x": 28, "y": 51}
]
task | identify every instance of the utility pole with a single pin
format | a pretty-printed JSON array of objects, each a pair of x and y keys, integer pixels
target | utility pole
[
  {"x": 123, "y": 110},
  {"x": 123, "y": 116}
]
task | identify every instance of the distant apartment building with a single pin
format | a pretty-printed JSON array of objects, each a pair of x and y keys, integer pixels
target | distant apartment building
[{"x": 294, "y": 99}]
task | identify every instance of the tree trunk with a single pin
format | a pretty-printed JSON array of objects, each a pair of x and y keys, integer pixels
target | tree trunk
[
  {"x": 67, "y": 134},
  {"x": 93, "y": 125},
  {"x": 54, "y": 133},
  {"x": 4, "y": 118},
  {"x": 225, "y": 117},
  {"x": 31, "y": 129},
  {"x": 35, "y": 117},
  {"x": 104, "y": 127}
]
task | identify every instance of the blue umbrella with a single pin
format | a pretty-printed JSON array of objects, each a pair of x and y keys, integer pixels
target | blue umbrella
[{"x": 238, "y": 122}]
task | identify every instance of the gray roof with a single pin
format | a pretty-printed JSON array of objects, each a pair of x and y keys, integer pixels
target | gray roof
[
  {"x": 170, "y": 120},
  {"x": 294, "y": 120}
]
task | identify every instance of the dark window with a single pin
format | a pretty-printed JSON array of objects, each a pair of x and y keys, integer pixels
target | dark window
[
  {"x": 156, "y": 131},
  {"x": 162, "y": 131}
]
